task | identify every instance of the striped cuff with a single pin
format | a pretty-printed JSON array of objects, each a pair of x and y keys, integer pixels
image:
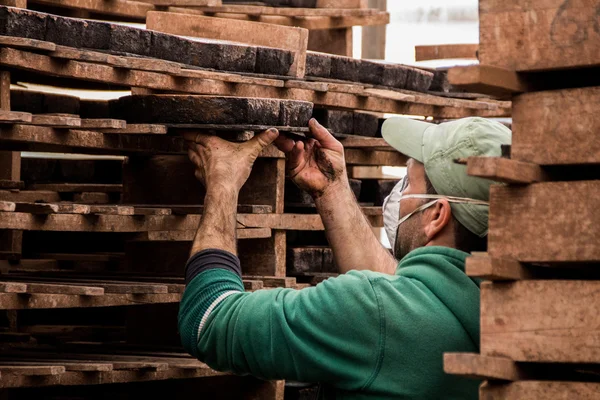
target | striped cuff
[
  {"x": 201, "y": 298},
  {"x": 209, "y": 259}
]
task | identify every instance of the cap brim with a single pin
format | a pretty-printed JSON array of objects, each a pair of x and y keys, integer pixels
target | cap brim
[{"x": 405, "y": 135}]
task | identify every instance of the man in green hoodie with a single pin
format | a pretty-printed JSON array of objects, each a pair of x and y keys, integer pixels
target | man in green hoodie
[{"x": 379, "y": 330}]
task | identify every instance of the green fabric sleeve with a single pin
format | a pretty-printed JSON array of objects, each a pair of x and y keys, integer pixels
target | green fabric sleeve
[{"x": 331, "y": 333}]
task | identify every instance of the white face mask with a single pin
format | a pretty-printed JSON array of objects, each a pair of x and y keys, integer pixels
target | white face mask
[{"x": 391, "y": 208}]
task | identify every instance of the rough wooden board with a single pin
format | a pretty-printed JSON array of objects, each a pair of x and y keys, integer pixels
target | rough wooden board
[
  {"x": 72, "y": 290},
  {"x": 536, "y": 35},
  {"x": 14, "y": 117},
  {"x": 519, "y": 322},
  {"x": 7, "y": 206},
  {"x": 69, "y": 366},
  {"x": 187, "y": 109},
  {"x": 44, "y": 139},
  {"x": 105, "y": 74},
  {"x": 45, "y": 208},
  {"x": 13, "y": 287},
  {"x": 111, "y": 209},
  {"x": 230, "y": 77},
  {"x": 555, "y": 219},
  {"x": 76, "y": 187},
  {"x": 56, "y": 121},
  {"x": 11, "y": 185},
  {"x": 134, "y": 10},
  {"x": 25, "y": 43},
  {"x": 352, "y": 141},
  {"x": 29, "y": 196},
  {"x": 495, "y": 269},
  {"x": 487, "y": 79},
  {"x": 188, "y": 236},
  {"x": 374, "y": 157},
  {"x": 294, "y": 39},
  {"x": 139, "y": 129},
  {"x": 124, "y": 223},
  {"x": 473, "y": 365},
  {"x": 180, "y": 3},
  {"x": 444, "y": 51},
  {"x": 89, "y": 123},
  {"x": 556, "y": 127},
  {"x": 22, "y": 23},
  {"x": 31, "y": 370},
  {"x": 505, "y": 170},
  {"x": 256, "y": 10},
  {"x": 539, "y": 390}
]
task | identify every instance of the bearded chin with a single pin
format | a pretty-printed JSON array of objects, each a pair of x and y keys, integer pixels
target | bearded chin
[{"x": 410, "y": 236}]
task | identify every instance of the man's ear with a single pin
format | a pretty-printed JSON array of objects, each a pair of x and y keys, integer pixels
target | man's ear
[{"x": 437, "y": 218}]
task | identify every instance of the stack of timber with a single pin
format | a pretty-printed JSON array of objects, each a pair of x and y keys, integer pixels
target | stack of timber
[
  {"x": 94, "y": 232},
  {"x": 539, "y": 300}
]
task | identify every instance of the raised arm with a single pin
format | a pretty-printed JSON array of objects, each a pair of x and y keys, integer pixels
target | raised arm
[{"x": 318, "y": 166}]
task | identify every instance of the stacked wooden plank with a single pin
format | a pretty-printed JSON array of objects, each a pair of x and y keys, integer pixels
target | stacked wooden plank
[
  {"x": 539, "y": 320},
  {"x": 93, "y": 241}
]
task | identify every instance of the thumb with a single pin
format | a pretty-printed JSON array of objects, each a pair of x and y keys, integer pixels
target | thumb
[{"x": 263, "y": 139}]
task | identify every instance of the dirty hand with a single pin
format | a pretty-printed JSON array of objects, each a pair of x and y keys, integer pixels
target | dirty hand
[
  {"x": 224, "y": 163},
  {"x": 317, "y": 164}
]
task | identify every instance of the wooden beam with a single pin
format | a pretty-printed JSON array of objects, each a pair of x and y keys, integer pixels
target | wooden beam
[
  {"x": 487, "y": 79},
  {"x": 554, "y": 219},
  {"x": 125, "y": 223},
  {"x": 188, "y": 235},
  {"x": 543, "y": 122},
  {"x": 473, "y": 365},
  {"x": 77, "y": 187},
  {"x": 374, "y": 37},
  {"x": 256, "y": 33},
  {"x": 496, "y": 269},
  {"x": 538, "y": 34},
  {"x": 536, "y": 320},
  {"x": 444, "y": 107},
  {"x": 445, "y": 51},
  {"x": 505, "y": 170},
  {"x": 374, "y": 157},
  {"x": 539, "y": 390}
]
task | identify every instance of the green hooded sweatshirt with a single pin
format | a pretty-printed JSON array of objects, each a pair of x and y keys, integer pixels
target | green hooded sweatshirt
[{"x": 363, "y": 335}]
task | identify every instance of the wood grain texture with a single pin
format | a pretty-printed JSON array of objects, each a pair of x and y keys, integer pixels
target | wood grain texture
[
  {"x": 444, "y": 51},
  {"x": 186, "y": 109},
  {"x": 505, "y": 170},
  {"x": 527, "y": 35},
  {"x": 519, "y": 321},
  {"x": 473, "y": 365},
  {"x": 539, "y": 390},
  {"x": 557, "y": 220},
  {"x": 557, "y": 127}
]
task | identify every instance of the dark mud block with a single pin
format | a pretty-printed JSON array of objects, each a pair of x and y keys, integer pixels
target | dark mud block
[
  {"x": 365, "y": 124},
  {"x": 309, "y": 259},
  {"x": 60, "y": 104},
  {"x": 96, "y": 35},
  {"x": 26, "y": 101},
  {"x": 376, "y": 73},
  {"x": 418, "y": 80},
  {"x": 345, "y": 68},
  {"x": 295, "y": 113},
  {"x": 318, "y": 64},
  {"x": 236, "y": 58},
  {"x": 376, "y": 190},
  {"x": 336, "y": 121},
  {"x": 440, "y": 82},
  {"x": 169, "y": 47},
  {"x": 124, "y": 39},
  {"x": 273, "y": 61},
  {"x": 184, "y": 109},
  {"x": 356, "y": 187},
  {"x": 94, "y": 109},
  {"x": 22, "y": 23},
  {"x": 65, "y": 31}
]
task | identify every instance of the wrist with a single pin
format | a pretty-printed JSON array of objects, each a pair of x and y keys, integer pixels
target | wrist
[
  {"x": 222, "y": 193},
  {"x": 338, "y": 192}
]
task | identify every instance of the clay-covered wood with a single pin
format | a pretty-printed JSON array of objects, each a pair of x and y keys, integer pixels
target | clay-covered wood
[
  {"x": 22, "y": 23},
  {"x": 378, "y": 73},
  {"x": 188, "y": 109}
]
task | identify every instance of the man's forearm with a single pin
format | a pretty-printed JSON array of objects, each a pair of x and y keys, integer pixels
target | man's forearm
[
  {"x": 349, "y": 232},
  {"x": 217, "y": 228}
]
